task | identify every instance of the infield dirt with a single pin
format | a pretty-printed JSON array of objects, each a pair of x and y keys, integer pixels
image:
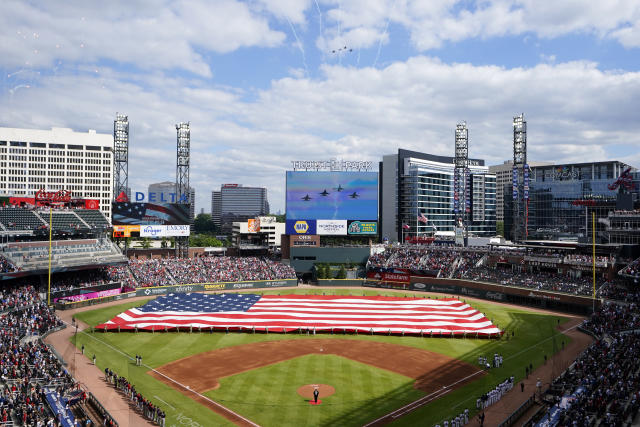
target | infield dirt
[{"x": 431, "y": 371}]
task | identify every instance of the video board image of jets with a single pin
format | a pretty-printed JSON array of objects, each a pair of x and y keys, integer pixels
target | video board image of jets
[{"x": 332, "y": 195}]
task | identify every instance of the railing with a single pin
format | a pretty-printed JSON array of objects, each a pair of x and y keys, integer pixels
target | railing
[
  {"x": 515, "y": 415},
  {"x": 105, "y": 414}
]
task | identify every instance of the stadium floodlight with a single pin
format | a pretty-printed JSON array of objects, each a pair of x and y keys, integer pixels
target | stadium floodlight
[
  {"x": 120, "y": 155},
  {"x": 183, "y": 157},
  {"x": 460, "y": 174},
  {"x": 520, "y": 170}
]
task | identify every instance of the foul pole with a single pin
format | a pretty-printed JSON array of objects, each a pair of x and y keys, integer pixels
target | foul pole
[{"x": 50, "y": 227}]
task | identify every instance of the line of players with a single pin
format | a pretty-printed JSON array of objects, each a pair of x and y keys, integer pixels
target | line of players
[{"x": 458, "y": 421}]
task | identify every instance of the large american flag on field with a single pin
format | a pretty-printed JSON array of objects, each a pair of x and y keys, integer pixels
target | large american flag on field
[{"x": 314, "y": 313}]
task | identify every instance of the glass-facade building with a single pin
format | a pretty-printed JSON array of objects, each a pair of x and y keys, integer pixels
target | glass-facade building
[
  {"x": 415, "y": 184},
  {"x": 562, "y": 199}
]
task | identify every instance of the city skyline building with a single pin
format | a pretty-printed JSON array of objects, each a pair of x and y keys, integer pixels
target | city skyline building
[
  {"x": 57, "y": 159},
  {"x": 414, "y": 185},
  {"x": 238, "y": 203},
  {"x": 562, "y": 198},
  {"x": 504, "y": 177}
]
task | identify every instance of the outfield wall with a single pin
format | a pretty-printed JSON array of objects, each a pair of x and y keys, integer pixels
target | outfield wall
[{"x": 195, "y": 287}]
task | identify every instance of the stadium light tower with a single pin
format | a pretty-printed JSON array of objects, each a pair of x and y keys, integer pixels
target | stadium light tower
[
  {"x": 461, "y": 176},
  {"x": 182, "y": 179},
  {"x": 520, "y": 179},
  {"x": 120, "y": 154}
]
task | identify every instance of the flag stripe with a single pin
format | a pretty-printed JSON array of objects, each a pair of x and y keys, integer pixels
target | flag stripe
[{"x": 307, "y": 312}]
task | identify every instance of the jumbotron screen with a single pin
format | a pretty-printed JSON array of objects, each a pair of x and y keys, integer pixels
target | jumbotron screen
[
  {"x": 332, "y": 195},
  {"x": 128, "y": 213}
]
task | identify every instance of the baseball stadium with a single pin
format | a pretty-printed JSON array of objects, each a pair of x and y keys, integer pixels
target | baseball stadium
[
  {"x": 431, "y": 334},
  {"x": 340, "y": 323}
]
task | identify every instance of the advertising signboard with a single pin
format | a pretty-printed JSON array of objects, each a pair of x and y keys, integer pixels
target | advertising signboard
[
  {"x": 331, "y": 227},
  {"x": 362, "y": 228},
  {"x": 125, "y": 230},
  {"x": 164, "y": 230},
  {"x": 127, "y": 213},
  {"x": 253, "y": 225},
  {"x": 295, "y": 227},
  {"x": 332, "y": 195}
]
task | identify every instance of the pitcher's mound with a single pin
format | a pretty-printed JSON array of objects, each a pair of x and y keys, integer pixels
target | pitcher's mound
[{"x": 325, "y": 390}]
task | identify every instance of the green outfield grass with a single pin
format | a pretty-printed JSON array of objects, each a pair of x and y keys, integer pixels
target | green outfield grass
[
  {"x": 534, "y": 336},
  {"x": 257, "y": 393}
]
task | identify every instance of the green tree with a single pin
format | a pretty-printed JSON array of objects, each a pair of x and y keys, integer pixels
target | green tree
[
  {"x": 145, "y": 243},
  {"x": 500, "y": 228},
  {"x": 203, "y": 224},
  {"x": 342, "y": 273},
  {"x": 204, "y": 240},
  {"x": 320, "y": 271}
]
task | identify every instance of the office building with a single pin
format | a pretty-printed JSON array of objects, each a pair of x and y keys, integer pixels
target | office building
[
  {"x": 504, "y": 174},
  {"x": 414, "y": 184},
  {"x": 238, "y": 203},
  {"x": 562, "y": 199},
  {"x": 57, "y": 160}
]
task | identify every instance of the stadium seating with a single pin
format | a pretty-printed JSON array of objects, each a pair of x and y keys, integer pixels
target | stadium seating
[
  {"x": 156, "y": 272},
  {"x": 67, "y": 220},
  {"x": 29, "y": 365},
  {"x": 93, "y": 218},
  {"x": 65, "y": 253},
  {"x": 471, "y": 264},
  {"x": 603, "y": 385},
  {"x": 18, "y": 219}
]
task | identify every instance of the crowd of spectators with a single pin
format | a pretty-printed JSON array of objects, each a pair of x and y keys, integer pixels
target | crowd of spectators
[
  {"x": 604, "y": 383},
  {"x": 7, "y": 266},
  {"x": 155, "y": 272},
  {"x": 620, "y": 290},
  {"x": 613, "y": 317},
  {"x": 439, "y": 259},
  {"x": 146, "y": 407},
  {"x": 539, "y": 280},
  {"x": 27, "y": 365},
  {"x": 632, "y": 270}
]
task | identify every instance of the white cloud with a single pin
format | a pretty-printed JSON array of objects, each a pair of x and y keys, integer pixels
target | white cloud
[
  {"x": 431, "y": 23},
  {"x": 145, "y": 34}
]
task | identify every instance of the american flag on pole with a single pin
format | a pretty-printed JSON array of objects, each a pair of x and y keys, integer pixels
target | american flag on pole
[{"x": 321, "y": 313}]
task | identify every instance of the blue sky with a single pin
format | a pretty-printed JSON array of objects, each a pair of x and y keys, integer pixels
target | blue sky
[{"x": 261, "y": 85}]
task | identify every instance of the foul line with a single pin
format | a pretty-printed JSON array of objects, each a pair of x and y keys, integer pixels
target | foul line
[
  {"x": 157, "y": 397},
  {"x": 170, "y": 379},
  {"x": 428, "y": 398}
]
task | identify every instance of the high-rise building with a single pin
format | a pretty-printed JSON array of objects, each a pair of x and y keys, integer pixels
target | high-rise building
[
  {"x": 216, "y": 207},
  {"x": 417, "y": 186},
  {"x": 238, "y": 203},
  {"x": 57, "y": 159},
  {"x": 504, "y": 176},
  {"x": 562, "y": 199}
]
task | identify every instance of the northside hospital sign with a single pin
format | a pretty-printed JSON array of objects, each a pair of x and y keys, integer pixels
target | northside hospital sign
[{"x": 332, "y": 165}]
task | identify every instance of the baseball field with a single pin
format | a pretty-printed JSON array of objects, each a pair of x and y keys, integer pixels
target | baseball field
[{"x": 268, "y": 379}]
